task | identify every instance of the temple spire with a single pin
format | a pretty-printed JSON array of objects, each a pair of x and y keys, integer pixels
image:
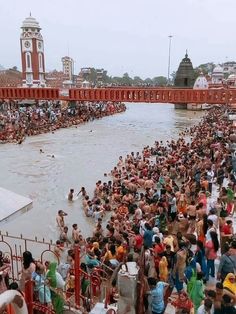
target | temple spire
[{"x": 185, "y": 73}]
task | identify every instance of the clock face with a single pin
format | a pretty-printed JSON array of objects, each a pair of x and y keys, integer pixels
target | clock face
[{"x": 27, "y": 44}]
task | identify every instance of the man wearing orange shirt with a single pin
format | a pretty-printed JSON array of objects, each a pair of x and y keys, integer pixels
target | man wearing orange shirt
[{"x": 120, "y": 251}]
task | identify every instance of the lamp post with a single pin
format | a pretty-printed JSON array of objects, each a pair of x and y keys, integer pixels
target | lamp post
[
  {"x": 168, "y": 76},
  {"x": 73, "y": 72}
]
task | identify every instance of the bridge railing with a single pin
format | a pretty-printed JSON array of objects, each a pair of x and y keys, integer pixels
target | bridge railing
[
  {"x": 29, "y": 93},
  {"x": 154, "y": 95},
  {"x": 126, "y": 94}
]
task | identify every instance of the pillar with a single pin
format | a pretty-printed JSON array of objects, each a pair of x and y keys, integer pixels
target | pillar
[{"x": 180, "y": 106}]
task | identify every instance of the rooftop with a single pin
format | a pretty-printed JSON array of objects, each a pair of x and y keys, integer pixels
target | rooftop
[
  {"x": 30, "y": 22},
  {"x": 218, "y": 69}
]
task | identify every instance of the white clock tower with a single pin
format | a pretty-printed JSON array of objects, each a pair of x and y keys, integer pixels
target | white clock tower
[{"x": 32, "y": 54}]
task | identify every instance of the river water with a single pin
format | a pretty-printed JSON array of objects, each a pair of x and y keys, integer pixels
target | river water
[{"x": 82, "y": 156}]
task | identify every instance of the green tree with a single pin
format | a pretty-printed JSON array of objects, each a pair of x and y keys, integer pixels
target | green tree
[
  {"x": 117, "y": 80},
  {"x": 137, "y": 80},
  {"x": 105, "y": 78},
  {"x": 159, "y": 81},
  {"x": 126, "y": 79},
  {"x": 148, "y": 81}
]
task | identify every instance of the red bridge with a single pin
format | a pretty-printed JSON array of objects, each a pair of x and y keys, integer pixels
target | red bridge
[{"x": 125, "y": 94}]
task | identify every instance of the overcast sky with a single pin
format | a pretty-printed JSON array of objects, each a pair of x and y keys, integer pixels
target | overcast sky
[{"x": 123, "y": 35}]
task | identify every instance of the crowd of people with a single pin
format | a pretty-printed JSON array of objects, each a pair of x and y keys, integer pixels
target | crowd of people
[
  {"x": 173, "y": 204},
  {"x": 18, "y": 120},
  {"x": 176, "y": 201}
]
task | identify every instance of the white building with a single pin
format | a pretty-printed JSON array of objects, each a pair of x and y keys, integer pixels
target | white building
[
  {"x": 201, "y": 82},
  {"x": 68, "y": 67},
  {"x": 85, "y": 84},
  {"x": 229, "y": 67},
  {"x": 217, "y": 75}
]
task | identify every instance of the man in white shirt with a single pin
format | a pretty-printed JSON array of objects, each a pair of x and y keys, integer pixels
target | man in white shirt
[
  {"x": 210, "y": 178},
  {"x": 212, "y": 216},
  {"x": 173, "y": 206},
  {"x": 157, "y": 233},
  {"x": 225, "y": 181},
  {"x": 206, "y": 307},
  {"x": 142, "y": 228}
]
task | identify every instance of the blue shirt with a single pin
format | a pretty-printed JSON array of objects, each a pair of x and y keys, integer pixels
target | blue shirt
[
  {"x": 91, "y": 261},
  {"x": 157, "y": 298},
  {"x": 147, "y": 237}
]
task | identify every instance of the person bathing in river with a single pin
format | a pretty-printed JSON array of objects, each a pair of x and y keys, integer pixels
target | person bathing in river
[
  {"x": 64, "y": 236},
  {"x": 83, "y": 192},
  {"x": 71, "y": 195},
  {"x": 60, "y": 220},
  {"x": 75, "y": 232}
]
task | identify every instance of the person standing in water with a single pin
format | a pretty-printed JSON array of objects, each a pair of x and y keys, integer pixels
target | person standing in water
[
  {"x": 60, "y": 220},
  {"x": 75, "y": 233},
  {"x": 71, "y": 195}
]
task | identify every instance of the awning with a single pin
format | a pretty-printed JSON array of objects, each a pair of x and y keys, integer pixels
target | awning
[{"x": 11, "y": 203}]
